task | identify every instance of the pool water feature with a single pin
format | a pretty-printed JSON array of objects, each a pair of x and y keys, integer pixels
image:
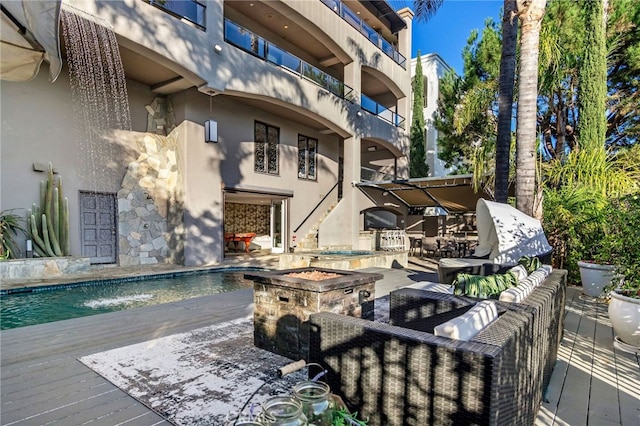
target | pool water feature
[{"x": 56, "y": 303}]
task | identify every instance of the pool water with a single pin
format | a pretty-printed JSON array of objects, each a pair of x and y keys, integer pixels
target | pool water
[{"x": 65, "y": 302}]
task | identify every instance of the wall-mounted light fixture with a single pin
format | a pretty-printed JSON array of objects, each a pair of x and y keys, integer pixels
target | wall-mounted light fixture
[
  {"x": 217, "y": 48},
  {"x": 359, "y": 113},
  {"x": 372, "y": 148},
  {"x": 210, "y": 126}
]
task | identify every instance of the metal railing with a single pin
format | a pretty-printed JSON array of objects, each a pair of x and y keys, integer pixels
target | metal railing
[
  {"x": 257, "y": 46},
  {"x": 355, "y": 21},
  {"x": 392, "y": 240},
  {"x": 190, "y": 10},
  {"x": 381, "y": 111},
  {"x": 368, "y": 174},
  {"x": 316, "y": 207}
]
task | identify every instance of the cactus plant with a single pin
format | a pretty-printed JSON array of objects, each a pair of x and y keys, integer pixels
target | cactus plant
[{"x": 49, "y": 223}]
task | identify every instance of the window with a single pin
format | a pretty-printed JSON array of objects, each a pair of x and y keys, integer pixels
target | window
[
  {"x": 307, "y": 159},
  {"x": 377, "y": 218},
  {"x": 425, "y": 94},
  {"x": 267, "y": 139}
]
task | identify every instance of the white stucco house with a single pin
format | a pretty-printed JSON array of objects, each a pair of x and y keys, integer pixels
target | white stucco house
[
  {"x": 301, "y": 97},
  {"x": 433, "y": 68}
]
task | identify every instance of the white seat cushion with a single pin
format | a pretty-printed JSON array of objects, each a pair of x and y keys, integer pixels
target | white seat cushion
[
  {"x": 519, "y": 271},
  {"x": 525, "y": 286},
  {"x": 472, "y": 322},
  {"x": 432, "y": 286},
  {"x": 518, "y": 293}
]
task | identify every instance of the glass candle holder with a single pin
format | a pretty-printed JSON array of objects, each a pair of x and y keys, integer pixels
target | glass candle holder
[
  {"x": 282, "y": 411},
  {"x": 315, "y": 398}
]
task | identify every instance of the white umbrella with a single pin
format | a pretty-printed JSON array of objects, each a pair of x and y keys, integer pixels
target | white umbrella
[
  {"x": 29, "y": 35},
  {"x": 506, "y": 234}
]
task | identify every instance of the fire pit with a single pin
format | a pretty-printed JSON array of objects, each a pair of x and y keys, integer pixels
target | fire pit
[{"x": 283, "y": 301}]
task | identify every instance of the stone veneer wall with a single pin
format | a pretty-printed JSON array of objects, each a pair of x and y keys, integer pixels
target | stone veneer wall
[
  {"x": 43, "y": 267},
  {"x": 150, "y": 205}
]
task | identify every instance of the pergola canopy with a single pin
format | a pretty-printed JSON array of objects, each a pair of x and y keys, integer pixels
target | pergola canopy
[{"x": 453, "y": 193}]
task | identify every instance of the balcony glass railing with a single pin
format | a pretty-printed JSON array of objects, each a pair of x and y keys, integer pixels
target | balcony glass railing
[
  {"x": 372, "y": 175},
  {"x": 257, "y": 46},
  {"x": 354, "y": 20},
  {"x": 190, "y": 10},
  {"x": 383, "y": 112}
]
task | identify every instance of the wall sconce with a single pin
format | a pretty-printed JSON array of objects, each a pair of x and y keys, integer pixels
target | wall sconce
[
  {"x": 210, "y": 131},
  {"x": 372, "y": 148},
  {"x": 217, "y": 48},
  {"x": 210, "y": 126},
  {"x": 359, "y": 113}
]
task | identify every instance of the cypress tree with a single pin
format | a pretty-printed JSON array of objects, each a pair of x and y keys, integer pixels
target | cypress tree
[
  {"x": 592, "y": 92},
  {"x": 417, "y": 155}
]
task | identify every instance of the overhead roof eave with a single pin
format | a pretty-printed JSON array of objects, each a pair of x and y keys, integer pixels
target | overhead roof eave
[{"x": 397, "y": 23}]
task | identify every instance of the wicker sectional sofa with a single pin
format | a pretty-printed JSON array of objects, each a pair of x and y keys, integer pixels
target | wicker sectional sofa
[{"x": 402, "y": 374}]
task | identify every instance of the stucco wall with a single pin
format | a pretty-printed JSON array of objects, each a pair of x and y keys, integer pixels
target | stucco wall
[
  {"x": 39, "y": 126},
  {"x": 230, "y": 163}
]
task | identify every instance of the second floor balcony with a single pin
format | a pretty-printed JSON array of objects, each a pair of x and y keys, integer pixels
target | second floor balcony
[
  {"x": 373, "y": 35},
  {"x": 258, "y": 46},
  {"x": 387, "y": 114},
  {"x": 255, "y": 45},
  {"x": 190, "y": 11}
]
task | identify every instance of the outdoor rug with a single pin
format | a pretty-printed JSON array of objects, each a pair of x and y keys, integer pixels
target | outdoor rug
[{"x": 197, "y": 377}]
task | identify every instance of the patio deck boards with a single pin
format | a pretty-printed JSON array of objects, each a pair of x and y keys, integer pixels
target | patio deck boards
[
  {"x": 42, "y": 381},
  {"x": 593, "y": 383}
]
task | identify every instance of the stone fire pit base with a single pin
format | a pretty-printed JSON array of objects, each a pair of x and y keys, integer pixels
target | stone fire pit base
[{"x": 283, "y": 304}]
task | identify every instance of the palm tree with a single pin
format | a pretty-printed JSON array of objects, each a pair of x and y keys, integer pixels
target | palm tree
[
  {"x": 528, "y": 195},
  {"x": 505, "y": 99},
  {"x": 425, "y": 9}
]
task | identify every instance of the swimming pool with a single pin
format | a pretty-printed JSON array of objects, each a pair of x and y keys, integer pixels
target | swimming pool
[{"x": 55, "y": 303}]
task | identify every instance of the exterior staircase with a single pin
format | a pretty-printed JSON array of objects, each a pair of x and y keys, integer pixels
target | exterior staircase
[{"x": 309, "y": 242}]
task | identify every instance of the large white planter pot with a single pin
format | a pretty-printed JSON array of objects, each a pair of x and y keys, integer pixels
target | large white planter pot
[
  {"x": 624, "y": 313},
  {"x": 595, "y": 277}
]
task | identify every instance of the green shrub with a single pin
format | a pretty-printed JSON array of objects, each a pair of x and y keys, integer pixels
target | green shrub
[
  {"x": 573, "y": 221},
  {"x": 621, "y": 241}
]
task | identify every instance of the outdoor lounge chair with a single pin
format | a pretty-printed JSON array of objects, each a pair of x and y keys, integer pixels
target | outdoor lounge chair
[{"x": 505, "y": 234}]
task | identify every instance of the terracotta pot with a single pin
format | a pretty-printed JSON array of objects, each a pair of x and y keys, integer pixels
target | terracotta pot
[
  {"x": 624, "y": 313},
  {"x": 595, "y": 277}
]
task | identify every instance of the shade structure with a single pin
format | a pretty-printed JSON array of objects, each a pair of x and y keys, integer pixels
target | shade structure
[
  {"x": 29, "y": 35},
  {"x": 506, "y": 234},
  {"x": 453, "y": 193}
]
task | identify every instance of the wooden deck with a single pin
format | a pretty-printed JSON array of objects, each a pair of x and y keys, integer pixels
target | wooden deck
[
  {"x": 592, "y": 383},
  {"x": 42, "y": 382}
]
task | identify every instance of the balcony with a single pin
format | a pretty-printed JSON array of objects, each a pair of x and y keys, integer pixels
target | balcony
[
  {"x": 368, "y": 174},
  {"x": 189, "y": 11},
  {"x": 369, "y": 105},
  {"x": 356, "y": 22},
  {"x": 255, "y": 45}
]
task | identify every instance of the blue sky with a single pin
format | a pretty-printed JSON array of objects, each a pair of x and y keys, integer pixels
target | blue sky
[{"x": 447, "y": 31}]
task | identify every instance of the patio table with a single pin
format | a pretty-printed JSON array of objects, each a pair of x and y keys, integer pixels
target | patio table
[{"x": 240, "y": 238}]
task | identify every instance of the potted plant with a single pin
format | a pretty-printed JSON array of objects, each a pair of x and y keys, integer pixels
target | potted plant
[
  {"x": 10, "y": 225},
  {"x": 622, "y": 243}
]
